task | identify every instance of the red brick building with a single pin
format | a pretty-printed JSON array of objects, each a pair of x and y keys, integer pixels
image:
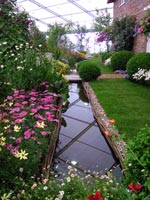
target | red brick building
[{"x": 133, "y": 8}]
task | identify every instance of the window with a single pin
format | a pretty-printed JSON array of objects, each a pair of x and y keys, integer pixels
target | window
[
  {"x": 148, "y": 44},
  {"x": 122, "y": 2}
]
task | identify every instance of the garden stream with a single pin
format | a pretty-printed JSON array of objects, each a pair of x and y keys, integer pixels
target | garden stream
[{"x": 81, "y": 142}]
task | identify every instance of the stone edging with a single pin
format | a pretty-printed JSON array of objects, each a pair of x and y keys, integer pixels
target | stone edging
[
  {"x": 47, "y": 162},
  {"x": 118, "y": 147}
]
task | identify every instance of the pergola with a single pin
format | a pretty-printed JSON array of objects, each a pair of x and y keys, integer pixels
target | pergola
[{"x": 46, "y": 12}]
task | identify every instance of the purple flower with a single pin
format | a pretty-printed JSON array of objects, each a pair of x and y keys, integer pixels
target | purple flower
[
  {"x": 102, "y": 37},
  {"x": 3, "y": 2}
]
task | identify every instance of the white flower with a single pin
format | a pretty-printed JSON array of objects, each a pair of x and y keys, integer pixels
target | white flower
[
  {"x": 142, "y": 74},
  {"x": 68, "y": 179},
  {"x": 4, "y": 43},
  {"x": 45, "y": 188}
]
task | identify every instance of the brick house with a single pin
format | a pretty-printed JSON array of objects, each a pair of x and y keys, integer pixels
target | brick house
[{"x": 137, "y": 8}]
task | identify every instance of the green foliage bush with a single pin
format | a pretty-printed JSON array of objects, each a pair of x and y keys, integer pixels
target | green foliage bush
[
  {"x": 120, "y": 59},
  {"x": 139, "y": 61},
  {"x": 105, "y": 55},
  {"x": 89, "y": 70},
  {"x": 138, "y": 159}
]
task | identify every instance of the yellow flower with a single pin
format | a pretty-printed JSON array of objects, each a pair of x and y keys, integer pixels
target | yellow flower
[
  {"x": 21, "y": 155},
  {"x": 10, "y": 103},
  {"x": 40, "y": 124},
  {"x": 5, "y": 196},
  {"x": 7, "y": 127},
  {"x": 17, "y": 128},
  {"x": 2, "y": 141}
]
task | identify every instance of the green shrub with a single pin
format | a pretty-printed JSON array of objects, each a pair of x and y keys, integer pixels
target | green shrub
[
  {"x": 138, "y": 159},
  {"x": 89, "y": 70},
  {"x": 139, "y": 61},
  {"x": 120, "y": 59},
  {"x": 105, "y": 55}
]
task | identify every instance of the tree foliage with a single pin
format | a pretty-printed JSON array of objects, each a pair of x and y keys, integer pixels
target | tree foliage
[
  {"x": 102, "y": 25},
  {"x": 14, "y": 25},
  {"x": 37, "y": 37},
  {"x": 82, "y": 40},
  {"x": 58, "y": 39}
]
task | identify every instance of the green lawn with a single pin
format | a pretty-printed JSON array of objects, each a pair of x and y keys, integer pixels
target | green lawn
[
  {"x": 126, "y": 102},
  {"x": 104, "y": 69}
]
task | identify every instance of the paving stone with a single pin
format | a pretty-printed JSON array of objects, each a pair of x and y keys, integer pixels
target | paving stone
[
  {"x": 94, "y": 138},
  {"x": 62, "y": 141},
  {"x": 88, "y": 158},
  {"x": 83, "y": 104},
  {"x": 73, "y": 127},
  {"x": 80, "y": 113},
  {"x": 73, "y": 97}
]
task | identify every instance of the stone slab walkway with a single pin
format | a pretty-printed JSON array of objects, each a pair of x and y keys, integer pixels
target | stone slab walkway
[{"x": 80, "y": 141}]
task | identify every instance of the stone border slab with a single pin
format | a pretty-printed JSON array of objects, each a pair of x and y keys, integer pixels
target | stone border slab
[{"x": 118, "y": 146}]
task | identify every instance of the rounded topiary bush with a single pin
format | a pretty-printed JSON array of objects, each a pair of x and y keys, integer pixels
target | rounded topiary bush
[
  {"x": 89, "y": 71},
  {"x": 139, "y": 61},
  {"x": 120, "y": 59}
]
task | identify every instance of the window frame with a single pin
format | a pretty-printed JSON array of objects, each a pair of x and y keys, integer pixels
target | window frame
[{"x": 122, "y": 2}]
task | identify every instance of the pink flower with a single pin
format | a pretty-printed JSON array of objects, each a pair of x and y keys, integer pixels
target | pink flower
[
  {"x": 140, "y": 29},
  {"x": 34, "y": 110},
  {"x": 39, "y": 143},
  {"x": 44, "y": 133},
  {"x": 23, "y": 114},
  {"x": 38, "y": 116},
  {"x": 24, "y": 102},
  {"x": 34, "y": 138},
  {"x": 33, "y": 93},
  {"x": 9, "y": 146},
  {"x": 14, "y": 150},
  {"x": 19, "y": 140},
  {"x": 17, "y": 105},
  {"x": 19, "y": 121},
  {"x": 27, "y": 134},
  {"x": 9, "y": 97},
  {"x": 49, "y": 118},
  {"x": 32, "y": 99}
]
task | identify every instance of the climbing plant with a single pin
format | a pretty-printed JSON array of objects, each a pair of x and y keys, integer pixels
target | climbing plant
[{"x": 122, "y": 33}]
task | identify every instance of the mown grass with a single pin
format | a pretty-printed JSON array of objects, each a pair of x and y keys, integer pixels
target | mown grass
[
  {"x": 126, "y": 102},
  {"x": 104, "y": 69}
]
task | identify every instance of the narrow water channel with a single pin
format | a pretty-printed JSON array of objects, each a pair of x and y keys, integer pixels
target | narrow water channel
[{"x": 80, "y": 140}]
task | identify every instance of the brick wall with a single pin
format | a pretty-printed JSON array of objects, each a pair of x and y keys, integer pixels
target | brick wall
[{"x": 134, "y": 8}]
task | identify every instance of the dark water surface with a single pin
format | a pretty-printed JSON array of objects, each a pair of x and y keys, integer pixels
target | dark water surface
[{"x": 80, "y": 140}]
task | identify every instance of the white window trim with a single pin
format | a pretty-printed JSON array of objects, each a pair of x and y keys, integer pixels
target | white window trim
[
  {"x": 122, "y": 2},
  {"x": 148, "y": 44}
]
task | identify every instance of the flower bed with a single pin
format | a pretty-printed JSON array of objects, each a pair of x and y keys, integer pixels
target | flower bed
[{"x": 30, "y": 121}]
